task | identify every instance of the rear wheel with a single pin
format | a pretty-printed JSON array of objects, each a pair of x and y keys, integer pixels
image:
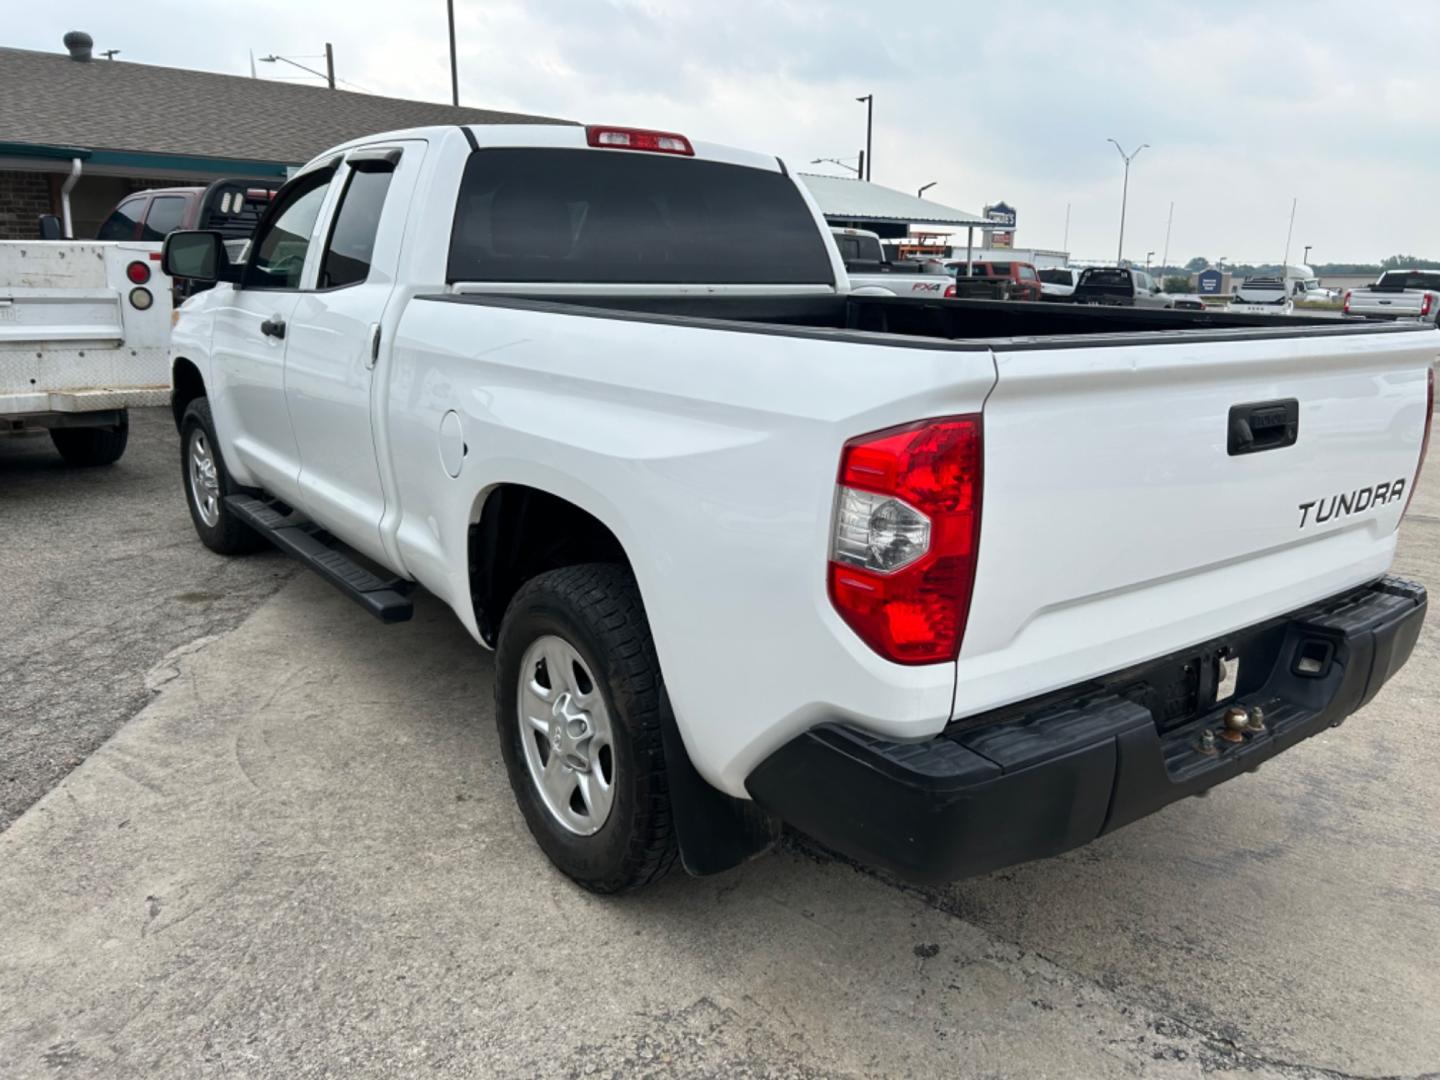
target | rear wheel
[
  {"x": 207, "y": 482},
  {"x": 577, "y": 705},
  {"x": 85, "y": 447}
]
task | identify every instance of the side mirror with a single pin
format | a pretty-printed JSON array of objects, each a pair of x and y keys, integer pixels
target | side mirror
[
  {"x": 197, "y": 255},
  {"x": 49, "y": 227}
]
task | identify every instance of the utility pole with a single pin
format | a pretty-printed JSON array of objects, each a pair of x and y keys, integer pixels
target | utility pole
[
  {"x": 454, "y": 69},
  {"x": 1065, "y": 244},
  {"x": 1165, "y": 257},
  {"x": 1125, "y": 195},
  {"x": 869, "y": 100},
  {"x": 330, "y": 65},
  {"x": 1288, "y": 234}
]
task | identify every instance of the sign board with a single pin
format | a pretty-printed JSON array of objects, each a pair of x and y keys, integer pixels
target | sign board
[
  {"x": 1210, "y": 282},
  {"x": 1003, "y": 216},
  {"x": 1002, "y": 240}
]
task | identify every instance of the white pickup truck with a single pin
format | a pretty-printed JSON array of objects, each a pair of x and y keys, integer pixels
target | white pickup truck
[
  {"x": 871, "y": 272},
  {"x": 84, "y": 337},
  {"x": 1399, "y": 294},
  {"x": 947, "y": 584}
]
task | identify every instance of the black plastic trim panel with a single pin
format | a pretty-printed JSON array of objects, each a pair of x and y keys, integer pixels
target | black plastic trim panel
[{"x": 1037, "y": 780}]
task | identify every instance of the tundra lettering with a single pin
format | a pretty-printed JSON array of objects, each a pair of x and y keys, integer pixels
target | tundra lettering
[{"x": 1354, "y": 502}]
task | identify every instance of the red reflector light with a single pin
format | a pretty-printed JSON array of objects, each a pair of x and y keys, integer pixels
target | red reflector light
[
  {"x": 658, "y": 142},
  {"x": 1345, "y": 307},
  {"x": 928, "y": 529},
  {"x": 138, "y": 273}
]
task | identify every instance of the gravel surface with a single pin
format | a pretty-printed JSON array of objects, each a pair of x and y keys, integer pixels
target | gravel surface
[{"x": 100, "y": 577}]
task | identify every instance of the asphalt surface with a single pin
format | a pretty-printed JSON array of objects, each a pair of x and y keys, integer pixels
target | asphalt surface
[
  {"x": 302, "y": 859},
  {"x": 100, "y": 577}
]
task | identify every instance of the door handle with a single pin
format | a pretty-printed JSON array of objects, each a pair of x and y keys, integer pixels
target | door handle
[
  {"x": 273, "y": 327},
  {"x": 1263, "y": 425},
  {"x": 374, "y": 345}
]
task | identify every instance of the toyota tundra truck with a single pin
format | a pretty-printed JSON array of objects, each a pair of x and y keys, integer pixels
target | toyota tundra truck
[{"x": 945, "y": 584}]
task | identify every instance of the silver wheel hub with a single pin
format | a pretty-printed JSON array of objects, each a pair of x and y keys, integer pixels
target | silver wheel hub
[
  {"x": 566, "y": 735},
  {"x": 204, "y": 479}
]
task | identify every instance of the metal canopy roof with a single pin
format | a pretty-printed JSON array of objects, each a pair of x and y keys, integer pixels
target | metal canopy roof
[{"x": 859, "y": 200}]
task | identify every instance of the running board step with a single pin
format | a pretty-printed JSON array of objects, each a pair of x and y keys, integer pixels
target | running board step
[{"x": 387, "y": 600}]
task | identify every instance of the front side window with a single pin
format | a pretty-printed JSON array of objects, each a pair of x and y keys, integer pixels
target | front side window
[
  {"x": 278, "y": 254},
  {"x": 352, "y": 239},
  {"x": 1027, "y": 273},
  {"x": 120, "y": 225},
  {"x": 164, "y": 217}
]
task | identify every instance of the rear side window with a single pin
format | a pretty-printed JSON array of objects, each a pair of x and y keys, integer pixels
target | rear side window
[
  {"x": 549, "y": 215},
  {"x": 352, "y": 239},
  {"x": 164, "y": 217},
  {"x": 120, "y": 225}
]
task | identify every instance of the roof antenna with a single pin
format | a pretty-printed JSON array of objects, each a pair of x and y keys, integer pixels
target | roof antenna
[{"x": 109, "y": 54}]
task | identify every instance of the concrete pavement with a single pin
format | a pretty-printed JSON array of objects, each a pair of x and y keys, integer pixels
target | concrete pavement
[{"x": 303, "y": 859}]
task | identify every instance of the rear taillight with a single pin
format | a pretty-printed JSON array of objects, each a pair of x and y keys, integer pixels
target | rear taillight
[
  {"x": 949, "y": 291},
  {"x": 1424, "y": 437},
  {"x": 138, "y": 273},
  {"x": 905, "y": 537},
  {"x": 1345, "y": 307},
  {"x": 1426, "y": 302},
  {"x": 659, "y": 142}
]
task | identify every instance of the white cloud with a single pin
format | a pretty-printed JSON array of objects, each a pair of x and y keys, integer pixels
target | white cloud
[{"x": 1244, "y": 106}]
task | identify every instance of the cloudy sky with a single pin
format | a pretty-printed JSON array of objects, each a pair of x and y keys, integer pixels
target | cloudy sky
[{"x": 1245, "y": 106}]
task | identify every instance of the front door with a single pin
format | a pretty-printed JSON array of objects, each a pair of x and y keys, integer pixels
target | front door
[
  {"x": 251, "y": 333},
  {"x": 336, "y": 335}
]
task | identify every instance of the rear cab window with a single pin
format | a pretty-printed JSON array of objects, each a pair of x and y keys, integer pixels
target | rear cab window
[
  {"x": 617, "y": 216},
  {"x": 1410, "y": 279}
]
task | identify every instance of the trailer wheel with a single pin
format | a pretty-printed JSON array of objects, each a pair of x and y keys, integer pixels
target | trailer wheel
[
  {"x": 577, "y": 705},
  {"x": 85, "y": 447},
  {"x": 207, "y": 482}
]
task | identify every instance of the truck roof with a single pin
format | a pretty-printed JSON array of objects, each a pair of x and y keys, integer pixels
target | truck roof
[{"x": 560, "y": 136}]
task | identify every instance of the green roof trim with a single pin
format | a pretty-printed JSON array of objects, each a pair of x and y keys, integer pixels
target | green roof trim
[{"x": 143, "y": 163}]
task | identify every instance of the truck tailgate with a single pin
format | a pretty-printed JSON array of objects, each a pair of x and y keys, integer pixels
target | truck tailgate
[
  {"x": 1122, "y": 521},
  {"x": 1395, "y": 305}
]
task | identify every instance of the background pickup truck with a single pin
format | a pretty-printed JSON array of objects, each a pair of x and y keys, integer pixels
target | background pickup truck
[
  {"x": 947, "y": 584},
  {"x": 1399, "y": 294},
  {"x": 84, "y": 335},
  {"x": 1119, "y": 286},
  {"x": 872, "y": 273}
]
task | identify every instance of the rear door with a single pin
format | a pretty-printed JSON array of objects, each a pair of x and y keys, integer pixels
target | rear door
[
  {"x": 1125, "y": 518},
  {"x": 335, "y": 335}
]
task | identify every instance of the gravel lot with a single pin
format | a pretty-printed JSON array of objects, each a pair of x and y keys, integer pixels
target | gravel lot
[
  {"x": 301, "y": 859},
  {"x": 100, "y": 577}
]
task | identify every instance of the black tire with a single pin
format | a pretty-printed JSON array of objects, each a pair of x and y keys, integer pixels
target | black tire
[
  {"x": 87, "y": 447},
  {"x": 595, "y": 608},
  {"x": 227, "y": 535}
]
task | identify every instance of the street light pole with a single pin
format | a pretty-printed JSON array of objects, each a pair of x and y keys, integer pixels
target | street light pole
[
  {"x": 329, "y": 60},
  {"x": 859, "y": 172},
  {"x": 1306, "y": 257},
  {"x": 454, "y": 69},
  {"x": 921, "y": 193},
  {"x": 330, "y": 65},
  {"x": 1125, "y": 194},
  {"x": 869, "y": 100}
]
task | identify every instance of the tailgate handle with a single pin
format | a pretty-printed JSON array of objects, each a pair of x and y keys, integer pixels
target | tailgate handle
[{"x": 1263, "y": 425}]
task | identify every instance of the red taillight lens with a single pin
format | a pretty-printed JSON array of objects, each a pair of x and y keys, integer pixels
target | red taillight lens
[
  {"x": 1426, "y": 302},
  {"x": 659, "y": 142},
  {"x": 906, "y": 533},
  {"x": 949, "y": 290},
  {"x": 138, "y": 273},
  {"x": 1424, "y": 437},
  {"x": 1345, "y": 307}
]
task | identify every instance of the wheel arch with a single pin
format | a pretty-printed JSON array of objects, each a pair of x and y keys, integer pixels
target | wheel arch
[{"x": 186, "y": 384}]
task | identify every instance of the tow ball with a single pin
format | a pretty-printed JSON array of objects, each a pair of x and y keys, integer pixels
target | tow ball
[{"x": 1238, "y": 722}]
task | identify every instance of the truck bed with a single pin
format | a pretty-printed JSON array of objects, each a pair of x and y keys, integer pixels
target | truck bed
[{"x": 951, "y": 319}]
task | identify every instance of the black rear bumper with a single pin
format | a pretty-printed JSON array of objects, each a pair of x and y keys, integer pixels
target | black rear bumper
[{"x": 1038, "y": 779}]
